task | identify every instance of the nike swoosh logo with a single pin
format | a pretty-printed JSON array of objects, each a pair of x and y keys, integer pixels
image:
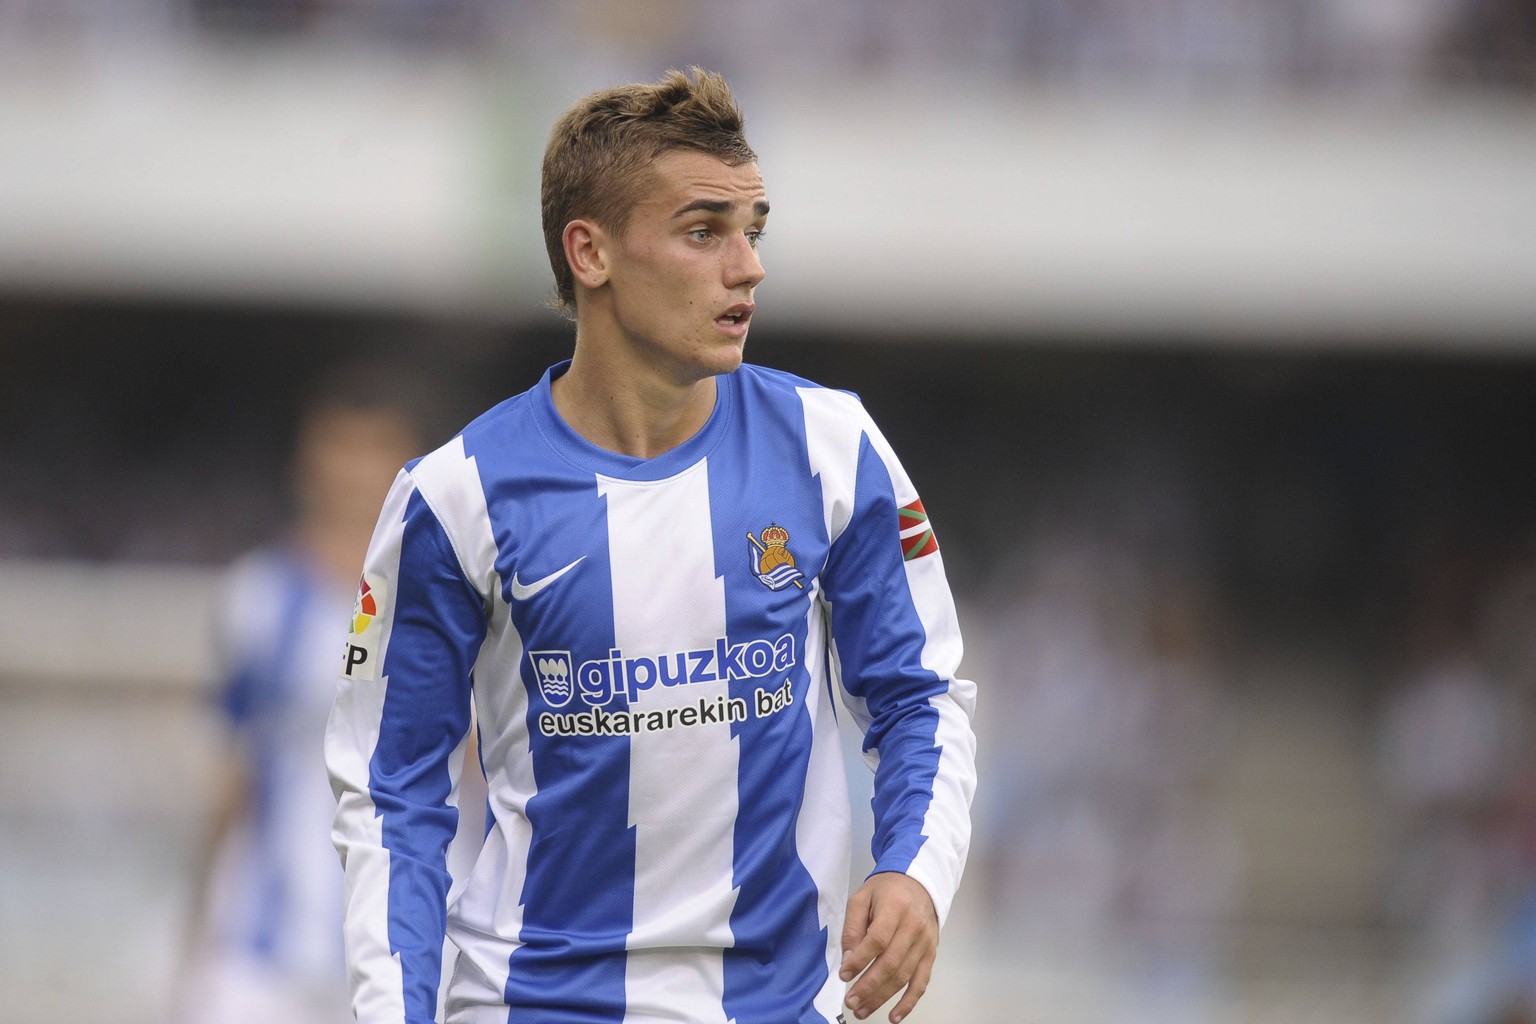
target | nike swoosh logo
[{"x": 523, "y": 591}]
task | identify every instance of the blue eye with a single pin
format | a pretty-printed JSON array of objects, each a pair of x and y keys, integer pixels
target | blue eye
[
  {"x": 700, "y": 235},
  {"x": 754, "y": 237}
]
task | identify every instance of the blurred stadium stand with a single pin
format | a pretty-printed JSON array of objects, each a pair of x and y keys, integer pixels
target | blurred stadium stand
[
  {"x": 1208, "y": 330},
  {"x": 300, "y": 176}
]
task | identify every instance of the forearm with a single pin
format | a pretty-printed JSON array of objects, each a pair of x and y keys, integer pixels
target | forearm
[
  {"x": 923, "y": 789},
  {"x": 392, "y": 842},
  {"x": 898, "y": 647}
]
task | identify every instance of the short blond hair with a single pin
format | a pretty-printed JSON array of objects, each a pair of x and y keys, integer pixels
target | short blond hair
[{"x": 599, "y": 151}]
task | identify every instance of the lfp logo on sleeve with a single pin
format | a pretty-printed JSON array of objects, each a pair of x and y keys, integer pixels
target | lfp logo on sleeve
[{"x": 362, "y": 653}]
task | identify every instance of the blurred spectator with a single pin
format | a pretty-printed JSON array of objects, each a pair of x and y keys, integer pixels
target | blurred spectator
[
  {"x": 1098, "y": 830},
  {"x": 264, "y": 943},
  {"x": 1513, "y": 991},
  {"x": 1453, "y": 764},
  {"x": 1446, "y": 750}
]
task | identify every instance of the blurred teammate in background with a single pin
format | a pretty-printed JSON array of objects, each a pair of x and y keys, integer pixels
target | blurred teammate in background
[
  {"x": 264, "y": 945},
  {"x": 648, "y": 576}
]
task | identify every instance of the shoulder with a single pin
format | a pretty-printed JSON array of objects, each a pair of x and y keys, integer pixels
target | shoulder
[
  {"x": 761, "y": 382},
  {"x": 253, "y": 596},
  {"x": 489, "y": 432},
  {"x": 505, "y": 421},
  {"x": 832, "y": 415},
  {"x": 267, "y": 577},
  {"x": 766, "y": 378},
  {"x": 448, "y": 488},
  {"x": 511, "y": 414},
  {"x": 262, "y": 568}
]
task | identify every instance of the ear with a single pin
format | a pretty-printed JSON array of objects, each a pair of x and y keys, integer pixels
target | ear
[{"x": 584, "y": 250}]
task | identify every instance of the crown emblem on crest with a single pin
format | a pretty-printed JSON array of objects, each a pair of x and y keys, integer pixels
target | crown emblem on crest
[{"x": 772, "y": 563}]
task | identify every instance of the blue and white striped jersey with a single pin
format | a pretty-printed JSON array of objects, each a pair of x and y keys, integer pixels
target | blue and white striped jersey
[
  {"x": 652, "y": 648},
  {"x": 276, "y": 888}
]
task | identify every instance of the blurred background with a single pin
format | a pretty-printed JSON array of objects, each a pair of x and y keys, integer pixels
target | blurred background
[{"x": 1206, "y": 328}]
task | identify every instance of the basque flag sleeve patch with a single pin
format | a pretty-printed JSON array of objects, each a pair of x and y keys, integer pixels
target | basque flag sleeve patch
[{"x": 917, "y": 537}]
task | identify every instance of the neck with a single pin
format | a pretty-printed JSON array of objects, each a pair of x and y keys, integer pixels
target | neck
[{"x": 630, "y": 408}]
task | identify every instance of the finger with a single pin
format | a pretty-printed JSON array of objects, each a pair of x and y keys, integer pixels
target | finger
[
  {"x": 920, "y": 975},
  {"x": 878, "y": 938},
  {"x": 889, "y": 972},
  {"x": 855, "y": 924},
  {"x": 894, "y": 965}
]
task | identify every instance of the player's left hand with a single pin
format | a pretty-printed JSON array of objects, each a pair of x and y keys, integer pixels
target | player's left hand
[{"x": 890, "y": 939}]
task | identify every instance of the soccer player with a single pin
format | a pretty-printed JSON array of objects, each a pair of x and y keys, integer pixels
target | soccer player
[
  {"x": 264, "y": 939},
  {"x": 653, "y": 576}
]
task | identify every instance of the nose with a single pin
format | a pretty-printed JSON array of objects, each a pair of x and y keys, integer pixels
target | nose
[{"x": 743, "y": 267}]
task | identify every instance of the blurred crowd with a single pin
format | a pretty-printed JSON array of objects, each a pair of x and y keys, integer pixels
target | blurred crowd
[
  {"x": 1177, "y": 45},
  {"x": 1116, "y": 699},
  {"x": 1456, "y": 773},
  {"x": 1099, "y": 834}
]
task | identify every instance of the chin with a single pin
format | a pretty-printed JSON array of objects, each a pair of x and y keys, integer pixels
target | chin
[{"x": 724, "y": 359}]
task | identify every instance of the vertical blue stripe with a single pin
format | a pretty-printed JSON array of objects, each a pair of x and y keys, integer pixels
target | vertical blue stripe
[
  {"x": 880, "y": 640},
  {"x": 579, "y": 893},
  {"x": 438, "y": 625},
  {"x": 762, "y": 477}
]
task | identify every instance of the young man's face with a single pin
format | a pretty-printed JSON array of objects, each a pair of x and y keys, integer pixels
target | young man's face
[{"x": 684, "y": 269}]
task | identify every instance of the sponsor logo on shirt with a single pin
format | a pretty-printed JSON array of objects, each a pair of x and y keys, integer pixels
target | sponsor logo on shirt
[
  {"x": 771, "y": 561},
  {"x": 601, "y": 681},
  {"x": 618, "y": 674},
  {"x": 360, "y": 660},
  {"x": 552, "y": 670}
]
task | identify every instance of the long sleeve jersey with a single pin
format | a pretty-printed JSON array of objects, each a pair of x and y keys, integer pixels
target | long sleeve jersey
[{"x": 655, "y": 651}]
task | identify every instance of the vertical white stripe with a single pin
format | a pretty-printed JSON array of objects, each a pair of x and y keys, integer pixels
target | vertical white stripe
[
  {"x": 683, "y": 781},
  {"x": 834, "y": 425},
  {"x": 450, "y": 483},
  {"x": 947, "y": 823},
  {"x": 822, "y": 830},
  {"x": 487, "y": 915},
  {"x": 487, "y": 918},
  {"x": 351, "y": 735}
]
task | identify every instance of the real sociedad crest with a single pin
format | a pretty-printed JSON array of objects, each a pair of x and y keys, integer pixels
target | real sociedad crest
[
  {"x": 771, "y": 561},
  {"x": 554, "y": 673}
]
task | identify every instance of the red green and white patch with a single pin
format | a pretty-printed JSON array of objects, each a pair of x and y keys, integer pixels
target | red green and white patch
[{"x": 917, "y": 537}]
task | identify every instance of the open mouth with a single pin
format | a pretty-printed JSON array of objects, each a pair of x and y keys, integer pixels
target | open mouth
[{"x": 736, "y": 316}]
